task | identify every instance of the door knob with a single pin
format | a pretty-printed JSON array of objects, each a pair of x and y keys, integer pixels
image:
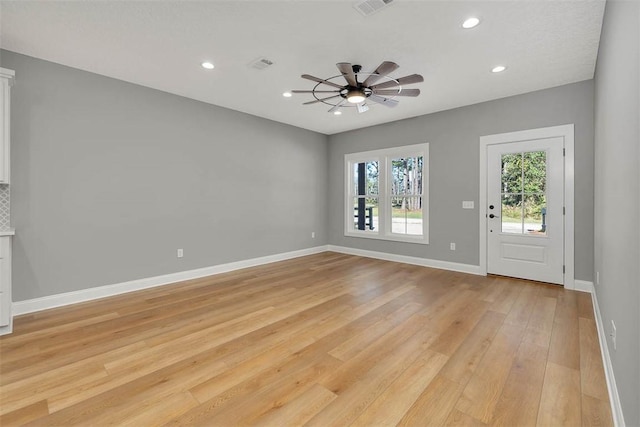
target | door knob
[{"x": 493, "y": 216}]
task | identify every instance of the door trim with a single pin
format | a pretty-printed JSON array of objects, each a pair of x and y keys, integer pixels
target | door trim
[{"x": 567, "y": 133}]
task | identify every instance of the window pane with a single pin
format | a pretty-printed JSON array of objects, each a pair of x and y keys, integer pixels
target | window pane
[
  {"x": 406, "y": 215},
  {"x": 365, "y": 214},
  {"x": 369, "y": 173},
  {"x": 372, "y": 177},
  {"x": 535, "y": 210},
  {"x": 511, "y": 213},
  {"x": 512, "y": 173},
  {"x": 406, "y": 175},
  {"x": 354, "y": 179}
]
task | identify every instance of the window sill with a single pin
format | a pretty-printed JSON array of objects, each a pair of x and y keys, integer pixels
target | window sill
[{"x": 421, "y": 240}]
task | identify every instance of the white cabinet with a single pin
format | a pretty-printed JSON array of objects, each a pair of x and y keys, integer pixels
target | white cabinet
[
  {"x": 6, "y": 319},
  {"x": 5, "y": 284},
  {"x": 6, "y": 79}
]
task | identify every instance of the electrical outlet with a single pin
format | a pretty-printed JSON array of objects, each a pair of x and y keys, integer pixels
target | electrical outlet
[
  {"x": 180, "y": 253},
  {"x": 613, "y": 335},
  {"x": 313, "y": 234},
  {"x": 452, "y": 246},
  {"x": 467, "y": 204}
]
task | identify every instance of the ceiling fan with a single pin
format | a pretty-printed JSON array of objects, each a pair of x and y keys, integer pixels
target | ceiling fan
[{"x": 357, "y": 93}]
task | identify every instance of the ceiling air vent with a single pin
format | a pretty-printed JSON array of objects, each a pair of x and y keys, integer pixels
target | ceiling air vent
[
  {"x": 369, "y": 7},
  {"x": 261, "y": 63}
]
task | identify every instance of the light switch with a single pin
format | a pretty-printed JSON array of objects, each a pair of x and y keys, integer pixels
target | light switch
[{"x": 467, "y": 204}]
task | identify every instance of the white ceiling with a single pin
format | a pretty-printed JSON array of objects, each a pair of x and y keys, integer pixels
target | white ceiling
[{"x": 160, "y": 44}]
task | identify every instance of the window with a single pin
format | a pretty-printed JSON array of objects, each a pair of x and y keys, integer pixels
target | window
[
  {"x": 386, "y": 194},
  {"x": 523, "y": 191}
]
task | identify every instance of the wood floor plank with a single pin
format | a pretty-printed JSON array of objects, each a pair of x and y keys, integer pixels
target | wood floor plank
[
  {"x": 591, "y": 368},
  {"x": 561, "y": 403},
  {"x": 299, "y": 410},
  {"x": 483, "y": 390},
  {"x": 458, "y": 330},
  {"x": 596, "y": 412},
  {"x": 389, "y": 408},
  {"x": 540, "y": 324},
  {"x": 25, "y": 414},
  {"x": 76, "y": 376},
  {"x": 358, "y": 343},
  {"x": 281, "y": 382},
  {"x": 585, "y": 306},
  {"x": 355, "y": 389},
  {"x": 463, "y": 363},
  {"x": 356, "y": 368},
  {"x": 520, "y": 398},
  {"x": 565, "y": 337},
  {"x": 434, "y": 404},
  {"x": 505, "y": 300},
  {"x": 522, "y": 307},
  {"x": 242, "y": 368},
  {"x": 325, "y": 339},
  {"x": 460, "y": 419}
]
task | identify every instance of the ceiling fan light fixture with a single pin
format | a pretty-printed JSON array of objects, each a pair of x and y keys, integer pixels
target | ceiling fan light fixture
[
  {"x": 355, "y": 96},
  {"x": 337, "y": 113},
  {"x": 498, "y": 69},
  {"x": 208, "y": 65}
]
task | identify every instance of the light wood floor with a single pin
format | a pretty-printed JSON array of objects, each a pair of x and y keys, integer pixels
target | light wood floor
[{"x": 324, "y": 340}]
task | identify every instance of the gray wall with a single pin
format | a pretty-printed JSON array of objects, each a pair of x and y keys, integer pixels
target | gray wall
[
  {"x": 617, "y": 194},
  {"x": 110, "y": 178},
  {"x": 454, "y": 168}
]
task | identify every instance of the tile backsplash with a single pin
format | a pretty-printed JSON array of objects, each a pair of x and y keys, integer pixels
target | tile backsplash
[{"x": 4, "y": 207}]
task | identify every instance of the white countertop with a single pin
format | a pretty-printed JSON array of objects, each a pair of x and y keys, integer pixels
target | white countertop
[{"x": 9, "y": 232}]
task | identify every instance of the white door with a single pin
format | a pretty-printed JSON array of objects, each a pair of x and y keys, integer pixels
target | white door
[{"x": 525, "y": 219}]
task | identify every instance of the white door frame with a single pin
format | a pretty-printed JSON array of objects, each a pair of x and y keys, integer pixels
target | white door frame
[{"x": 564, "y": 131}]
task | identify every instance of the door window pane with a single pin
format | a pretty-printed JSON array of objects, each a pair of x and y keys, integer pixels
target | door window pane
[
  {"x": 535, "y": 212},
  {"x": 511, "y": 213},
  {"x": 534, "y": 172},
  {"x": 524, "y": 185},
  {"x": 512, "y": 173}
]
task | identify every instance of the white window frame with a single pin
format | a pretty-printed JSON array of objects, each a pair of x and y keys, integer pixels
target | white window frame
[{"x": 384, "y": 157}]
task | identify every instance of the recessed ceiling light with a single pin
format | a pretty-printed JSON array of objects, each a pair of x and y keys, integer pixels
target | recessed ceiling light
[
  {"x": 470, "y": 23},
  {"x": 207, "y": 65},
  {"x": 337, "y": 113},
  {"x": 498, "y": 69},
  {"x": 287, "y": 94}
]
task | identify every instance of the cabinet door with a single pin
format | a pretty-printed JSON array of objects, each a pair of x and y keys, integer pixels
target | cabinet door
[{"x": 5, "y": 309}]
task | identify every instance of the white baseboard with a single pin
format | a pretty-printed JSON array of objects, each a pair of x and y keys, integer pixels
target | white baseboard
[
  {"x": 614, "y": 397},
  {"x": 6, "y": 330},
  {"x": 424, "y": 262},
  {"x": 59, "y": 300},
  {"x": 583, "y": 286}
]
